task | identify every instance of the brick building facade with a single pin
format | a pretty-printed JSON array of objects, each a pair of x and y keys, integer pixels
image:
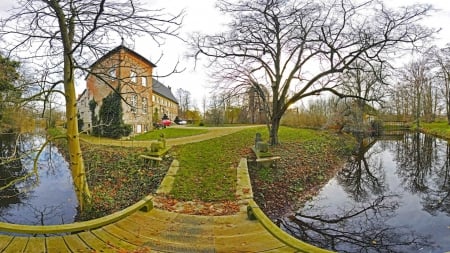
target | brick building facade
[{"x": 124, "y": 71}]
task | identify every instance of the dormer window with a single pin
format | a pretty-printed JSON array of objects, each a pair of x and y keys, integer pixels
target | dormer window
[
  {"x": 133, "y": 76},
  {"x": 112, "y": 73}
]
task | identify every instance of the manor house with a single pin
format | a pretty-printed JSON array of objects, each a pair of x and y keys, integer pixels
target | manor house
[{"x": 144, "y": 99}]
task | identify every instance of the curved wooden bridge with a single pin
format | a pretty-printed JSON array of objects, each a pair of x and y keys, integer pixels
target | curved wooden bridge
[
  {"x": 162, "y": 231},
  {"x": 143, "y": 228}
]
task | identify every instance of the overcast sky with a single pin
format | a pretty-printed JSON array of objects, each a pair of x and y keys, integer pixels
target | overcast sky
[{"x": 201, "y": 15}]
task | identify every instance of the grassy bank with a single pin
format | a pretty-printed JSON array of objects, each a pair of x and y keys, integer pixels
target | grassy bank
[
  {"x": 309, "y": 158},
  {"x": 440, "y": 129},
  {"x": 117, "y": 177}
]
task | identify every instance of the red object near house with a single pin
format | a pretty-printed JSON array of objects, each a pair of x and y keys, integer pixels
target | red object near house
[{"x": 166, "y": 122}]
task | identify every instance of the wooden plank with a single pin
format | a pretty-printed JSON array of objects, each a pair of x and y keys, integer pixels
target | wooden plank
[
  {"x": 95, "y": 243},
  {"x": 145, "y": 203},
  {"x": 268, "y": 159},
  {"x": 112, "y": 240},
  {"x": 139, "y": 229},
  {"x": 56, "y": 244},
  {"x": 36, "y": 244},
  {"x": 75, "y": 244},
  {"x": 125, "y": 235},
  {"x": 4, "y": 241},
  {"x": 149, "y": 226},
  {"x": 151, "y": 157},
  {"x": 18, "y": 244}
]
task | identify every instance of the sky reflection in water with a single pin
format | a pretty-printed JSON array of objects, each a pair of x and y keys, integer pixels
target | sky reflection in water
[
  {"x": 393, "y": 196},
  {"x": 47, "y": 198}
]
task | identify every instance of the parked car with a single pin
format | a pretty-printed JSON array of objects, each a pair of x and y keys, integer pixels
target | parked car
[{"x": 181, "y": 122}]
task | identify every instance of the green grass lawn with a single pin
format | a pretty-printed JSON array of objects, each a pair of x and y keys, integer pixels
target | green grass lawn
[
  {"x": 148, "y": 136},
  {"x": 207, "y": 169},
  {"x": 169, "y": 133},
  {"x": 441, "y": 129}
]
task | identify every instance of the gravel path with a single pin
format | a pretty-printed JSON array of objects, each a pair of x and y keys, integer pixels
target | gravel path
[{"x": 213, "y": 132}]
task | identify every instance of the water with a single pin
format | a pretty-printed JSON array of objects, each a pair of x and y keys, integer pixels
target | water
[
  {"x": 393, "y": 196},
  {"x": 44, "y": 196}
]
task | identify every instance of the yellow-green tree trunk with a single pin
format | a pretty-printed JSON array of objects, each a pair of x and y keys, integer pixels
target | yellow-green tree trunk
[
  {"x": 75, "y": 155},
  {"x": 76, "y": 164}
]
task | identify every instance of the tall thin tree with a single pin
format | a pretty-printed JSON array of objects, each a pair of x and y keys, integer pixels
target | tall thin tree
[{"x": 65, "y": 37}]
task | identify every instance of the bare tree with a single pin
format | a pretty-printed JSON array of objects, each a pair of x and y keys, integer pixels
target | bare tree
[
  {"x": 184, "y": 98},
  {"x": 288, "y": 50},
  {"x": 442, "y": 59},
  {"x": 417, "y": 76},
  {"x": 62, "y": 38},
  {"x": 366, "y": 88}
]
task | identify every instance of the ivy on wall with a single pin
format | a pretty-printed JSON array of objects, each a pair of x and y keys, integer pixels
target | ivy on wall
[
  {"x": 109, "y": 122},
  {"x": 94, "y": 119}
]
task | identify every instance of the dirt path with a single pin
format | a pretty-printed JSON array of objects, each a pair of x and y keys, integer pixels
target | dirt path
[{"x": 213, "y": 132}]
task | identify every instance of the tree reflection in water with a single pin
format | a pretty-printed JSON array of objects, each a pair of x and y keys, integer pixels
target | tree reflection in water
[
  {"x": 363, "y": 176},
  {"x": 414, "y": 156},
  {"x": 10, "y": 169},
  {"x": 363, "y": 228},
  {"x": 367, "y": 218},
  {"x": 424, "y": 165},
  {"x": 29, "y": 194}
]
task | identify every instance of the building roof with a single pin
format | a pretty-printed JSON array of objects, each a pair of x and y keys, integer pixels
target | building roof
[
  {"x": 117, "y": 49},
  {"x": 81, "y": 95},
  {"x": 163, "y": 90}
]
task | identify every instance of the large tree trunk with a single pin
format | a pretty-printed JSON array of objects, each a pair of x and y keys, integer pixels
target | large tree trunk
[
  {"x": 273, "y": 130},
  {"x": 76, "y": 163}
]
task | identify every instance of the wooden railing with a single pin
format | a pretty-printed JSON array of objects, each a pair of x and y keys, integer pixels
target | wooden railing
[
  {"x": 255, "y": 213},
  {"x": 146, "y": 204}
]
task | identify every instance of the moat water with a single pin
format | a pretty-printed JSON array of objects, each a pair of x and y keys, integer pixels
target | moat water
[
  {"x": 393, "y": 196},
  {"x": 34, "y": 195}
]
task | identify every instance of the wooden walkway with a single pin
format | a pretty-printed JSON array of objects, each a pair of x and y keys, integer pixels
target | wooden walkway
[{"x": 156, "y": 230}]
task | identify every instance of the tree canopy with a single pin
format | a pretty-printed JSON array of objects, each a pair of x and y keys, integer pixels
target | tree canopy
[
  {"x": 288, "y": 50},
  {"x": 9, "y": 90}
]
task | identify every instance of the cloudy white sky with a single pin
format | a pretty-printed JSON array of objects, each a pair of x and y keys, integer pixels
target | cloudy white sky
[{"x": 201, "y": 15}]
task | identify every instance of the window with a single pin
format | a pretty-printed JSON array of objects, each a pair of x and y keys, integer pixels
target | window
[
  {"x": 112, "y": 73},
  {"x": 144, "y": 105},
  {"x": 133, "y": 103},
  {"x": 133, "y": 76},
  {"x": 144, "y": 81}
]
